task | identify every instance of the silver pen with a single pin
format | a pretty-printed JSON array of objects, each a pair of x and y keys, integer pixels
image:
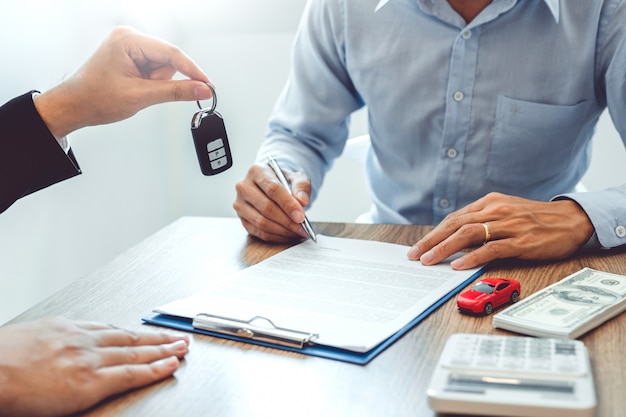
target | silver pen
[{"x": 283, "y": 180}]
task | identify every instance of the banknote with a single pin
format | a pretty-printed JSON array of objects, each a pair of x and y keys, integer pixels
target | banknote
[{"x": 568, "y": 308}]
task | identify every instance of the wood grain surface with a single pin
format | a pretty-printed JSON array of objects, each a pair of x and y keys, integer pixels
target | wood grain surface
[{"x": 225, "y": 378}]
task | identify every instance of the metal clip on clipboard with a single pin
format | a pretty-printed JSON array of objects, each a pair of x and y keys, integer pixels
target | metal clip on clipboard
[{"x": 249, "y": 330}]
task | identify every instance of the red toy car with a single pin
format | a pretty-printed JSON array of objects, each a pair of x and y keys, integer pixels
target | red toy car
[{"x": 488, "y": 294}]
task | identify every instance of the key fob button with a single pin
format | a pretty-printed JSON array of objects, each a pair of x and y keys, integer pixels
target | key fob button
[
  {"x": 219, "y": 163},
  {"x": 216, "y": 144},
  {"x": 217, "y": 154}
]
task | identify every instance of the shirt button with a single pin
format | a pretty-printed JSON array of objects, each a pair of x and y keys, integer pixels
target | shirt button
[
  {"x": 620, "y": 231},
  {"x": 452, "y": 153},
  {"x": 444, "y": 203},
  {"x": 458, "y": 96},
  {"x": 467, "y": 34}
]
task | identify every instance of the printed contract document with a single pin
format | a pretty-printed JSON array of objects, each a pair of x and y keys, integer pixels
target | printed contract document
[{"x": 350, "y": 294}]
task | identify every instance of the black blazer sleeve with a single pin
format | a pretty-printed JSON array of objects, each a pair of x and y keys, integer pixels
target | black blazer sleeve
[{"x": 30, "y": 157}]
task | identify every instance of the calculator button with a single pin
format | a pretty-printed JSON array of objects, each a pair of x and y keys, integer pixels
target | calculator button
[
  {"x": 565, "y": 367},
  {"x": 565, "y": 349},
  {"x": 539, "y": 365},
  {"x": 512, "y": 364},
  {"x": 485, "y": 363}
]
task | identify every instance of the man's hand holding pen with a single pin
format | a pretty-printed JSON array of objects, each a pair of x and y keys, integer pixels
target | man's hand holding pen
[
  {"x": 267, "y": 209},
  {"x": 306, "y": 225}
]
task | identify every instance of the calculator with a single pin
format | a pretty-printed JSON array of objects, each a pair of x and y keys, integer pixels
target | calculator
[{"x": 493, "y": 375}]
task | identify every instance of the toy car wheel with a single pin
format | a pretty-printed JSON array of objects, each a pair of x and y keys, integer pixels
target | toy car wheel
[
  {"x": 515, "y": 297},
  {"x": 488, "y": 308}
]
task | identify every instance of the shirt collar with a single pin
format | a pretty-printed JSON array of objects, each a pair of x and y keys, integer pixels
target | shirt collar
[
  {"x": 553, "y": 5},
  {"x": 555, "y": 8},
  {"x": 380, "y": 5}
]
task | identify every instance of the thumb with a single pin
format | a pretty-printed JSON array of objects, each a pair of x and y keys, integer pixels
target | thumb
[{"x": 301, "y": 187}]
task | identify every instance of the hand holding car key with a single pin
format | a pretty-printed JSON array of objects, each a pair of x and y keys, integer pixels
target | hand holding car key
[{"x": 210, "y": 139}]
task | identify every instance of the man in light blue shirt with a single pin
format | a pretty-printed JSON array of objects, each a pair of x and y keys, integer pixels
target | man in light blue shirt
[{"x": 480, "y": 115}]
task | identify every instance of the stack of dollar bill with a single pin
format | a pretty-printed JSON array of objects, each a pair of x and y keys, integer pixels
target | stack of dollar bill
[{"x": 568, "y": 308}]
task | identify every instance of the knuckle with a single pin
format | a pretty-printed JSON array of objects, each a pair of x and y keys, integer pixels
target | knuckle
[
  {"x": 263, "y": 235},
  {"x": 84, "y": 370},
  {"x": 467, "y": 231},
  {"x": 271, "y": 186},
  {"x": 426, "y": 241},
  {"x": 239, "y": 208},
  {"x": 494, "y": 248},
  {"x": 256, "y": 171},
  {"x": 250, "y": 228},
  {"x": 133, "y": 338},
  {"x": 477, "y": 205},
  {"x": 131, "y": 375},
  {"x": 132, "y": 355},
  {"x": 472, "y": 258},
  {"x": 177, "y": 93},
  {"x": 451, "y": 222},
  {"x": 526, "y": 239},
  {"x": 240, "y": 187},
  {"x": 494, "y": 195},
  {"x": 261, "y": 222},
  {"x": 163, "y": 351},
  {"x": 443, "y": 248},
  {"x": 120, "y": 31},
  {"x": 174, "y": 51}
]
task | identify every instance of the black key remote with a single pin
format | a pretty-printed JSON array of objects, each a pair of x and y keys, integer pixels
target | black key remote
[{"x": 211, "y": 140}]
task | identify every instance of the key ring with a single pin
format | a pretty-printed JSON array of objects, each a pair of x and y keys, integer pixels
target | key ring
[{"x": 213, "y": 106}]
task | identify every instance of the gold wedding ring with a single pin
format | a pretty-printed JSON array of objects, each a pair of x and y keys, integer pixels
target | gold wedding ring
[{"x": 487, "y": 233}]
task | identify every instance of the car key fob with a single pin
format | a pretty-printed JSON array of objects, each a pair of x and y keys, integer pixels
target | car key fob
[{"x": 210, "y": 139}]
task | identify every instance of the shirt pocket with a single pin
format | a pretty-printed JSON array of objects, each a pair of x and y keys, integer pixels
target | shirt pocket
[{"x": 533, "y": 142}]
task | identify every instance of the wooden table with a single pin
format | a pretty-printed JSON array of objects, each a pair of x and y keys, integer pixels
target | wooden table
[{"x": 224, "y": 378}]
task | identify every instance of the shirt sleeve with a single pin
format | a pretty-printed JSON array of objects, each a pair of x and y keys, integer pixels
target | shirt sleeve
[
  {"x": 30, "y": 157},
  {"x": 310, "y": 122},
  {"x": 607, "y": 208}
]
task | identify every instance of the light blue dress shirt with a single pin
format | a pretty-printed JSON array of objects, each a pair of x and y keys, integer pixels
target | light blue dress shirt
[{"x": 506, "y": 103}]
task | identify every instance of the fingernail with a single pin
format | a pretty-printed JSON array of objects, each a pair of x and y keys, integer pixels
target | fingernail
[
  {"x": 180, "y": 346},
  {"x": 413, "y": 252},
  {"x": 176, "y": 337},
  {"x": 170, "y": 363},
  {"x": 427, "y": 257},
  {"x": 458, "y": 263}
]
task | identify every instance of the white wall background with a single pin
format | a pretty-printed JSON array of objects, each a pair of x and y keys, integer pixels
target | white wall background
[{"x": 141, "y": 174}]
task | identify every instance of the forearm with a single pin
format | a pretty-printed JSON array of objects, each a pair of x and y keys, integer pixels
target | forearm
[{"x": 58, "y": 108}]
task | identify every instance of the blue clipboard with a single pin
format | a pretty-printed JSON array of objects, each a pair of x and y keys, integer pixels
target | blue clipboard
[{"x": 322, "y": 351}]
